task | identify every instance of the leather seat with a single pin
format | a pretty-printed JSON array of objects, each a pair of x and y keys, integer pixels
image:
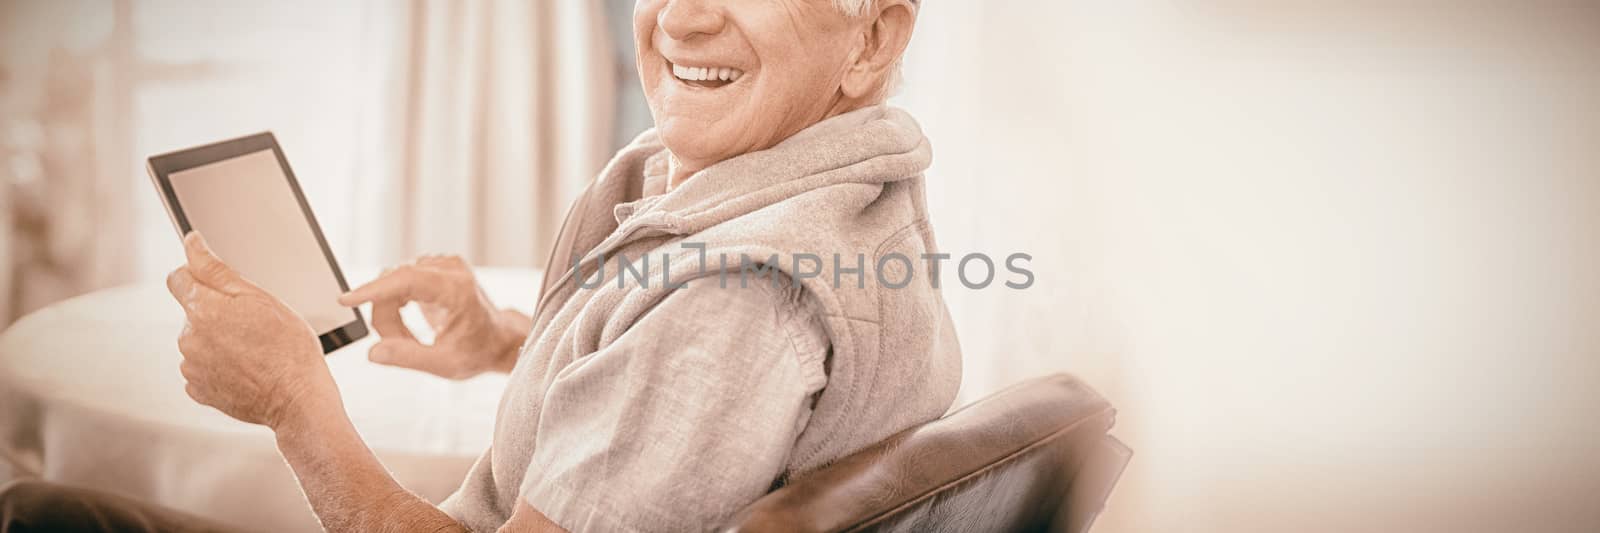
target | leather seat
[{"x": 1034, "y": 457}]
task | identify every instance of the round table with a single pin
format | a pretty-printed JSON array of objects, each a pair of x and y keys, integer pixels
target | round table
[{"x": 90, "y": 395}]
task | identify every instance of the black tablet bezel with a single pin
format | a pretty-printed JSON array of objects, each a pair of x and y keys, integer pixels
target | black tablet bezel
[{"x": 162, "y": 165}]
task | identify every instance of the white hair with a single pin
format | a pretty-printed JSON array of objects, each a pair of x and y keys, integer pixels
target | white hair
[
  {"x": 853, "y": 8},
  {"x": 856, "y": 8}
]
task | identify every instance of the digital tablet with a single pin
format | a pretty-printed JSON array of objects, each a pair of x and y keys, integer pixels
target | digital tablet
[{"x": 241, "y": 195}]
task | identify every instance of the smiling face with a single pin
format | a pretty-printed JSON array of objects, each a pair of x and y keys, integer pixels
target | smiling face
[{"x": 728, "y": 77}]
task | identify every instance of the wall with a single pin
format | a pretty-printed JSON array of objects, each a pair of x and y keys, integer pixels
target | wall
[{"x": 1339, "y": 267}]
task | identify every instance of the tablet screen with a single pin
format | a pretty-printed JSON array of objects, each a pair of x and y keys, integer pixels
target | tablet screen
[{"x": 252, "y": 219}]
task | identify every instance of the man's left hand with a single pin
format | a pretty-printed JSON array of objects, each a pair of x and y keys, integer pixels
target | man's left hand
[{"x": 244, "y": 352}]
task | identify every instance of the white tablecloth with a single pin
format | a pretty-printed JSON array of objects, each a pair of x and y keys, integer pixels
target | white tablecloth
[{"x": 90, "y": 395}]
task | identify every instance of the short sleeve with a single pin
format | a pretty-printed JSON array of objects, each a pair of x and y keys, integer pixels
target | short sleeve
[{"x": 684, "y": 419}]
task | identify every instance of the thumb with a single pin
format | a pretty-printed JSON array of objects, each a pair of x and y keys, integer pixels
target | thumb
[
  {"x": 408, "y": 353},
  {"x": 207, "y": 268}
]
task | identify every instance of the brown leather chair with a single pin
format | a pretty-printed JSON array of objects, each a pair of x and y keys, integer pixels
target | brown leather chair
[{"x": 1033, "y": 457}]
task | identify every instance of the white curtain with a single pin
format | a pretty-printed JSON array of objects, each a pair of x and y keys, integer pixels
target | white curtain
[
  {"x": 503, "y": 112},
  {"x": 414, "y": 127}
]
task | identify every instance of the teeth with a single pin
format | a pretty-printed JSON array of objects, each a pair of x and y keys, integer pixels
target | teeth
[{"x": 706, "y": 73}]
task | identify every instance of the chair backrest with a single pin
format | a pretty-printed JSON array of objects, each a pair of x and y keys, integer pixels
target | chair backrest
[{"x": 1033, "y": 457}]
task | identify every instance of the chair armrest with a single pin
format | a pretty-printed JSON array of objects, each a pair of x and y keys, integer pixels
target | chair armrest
[
  {"x": 1092, "y": 487},
  {"x": 1028, "y": 440}
]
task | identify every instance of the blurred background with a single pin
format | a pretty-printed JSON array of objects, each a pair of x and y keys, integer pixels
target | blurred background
[{"x": 1337, "y": 263}]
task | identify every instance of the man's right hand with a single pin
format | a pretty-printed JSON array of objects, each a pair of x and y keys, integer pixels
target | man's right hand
[{"x": 470, "y": 336}]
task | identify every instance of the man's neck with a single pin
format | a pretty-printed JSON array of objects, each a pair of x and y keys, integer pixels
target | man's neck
[{"x": 678, "y": 172}]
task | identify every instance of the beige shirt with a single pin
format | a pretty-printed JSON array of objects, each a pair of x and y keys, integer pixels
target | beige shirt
[{"x": 639, "y": 407}]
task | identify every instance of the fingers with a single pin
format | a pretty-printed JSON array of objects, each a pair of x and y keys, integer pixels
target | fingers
[
  {"x": 444, "y": 261},
  {"x": 187, "y": 370},
  {"x": 386, "y": 320},
  {"x": 207, "y": 268},
  {"x": 189, "y": 346},
  {"x": 403, "y": 284},
  {"x": 181, "y": 285},
  {"x": 192, "y": 295},
  {"x": 407, "y": 353},
  {"x": 424, "y": 280}
]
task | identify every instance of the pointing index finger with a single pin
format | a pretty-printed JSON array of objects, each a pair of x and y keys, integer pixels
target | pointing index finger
[{"x": 404, "y": 284}]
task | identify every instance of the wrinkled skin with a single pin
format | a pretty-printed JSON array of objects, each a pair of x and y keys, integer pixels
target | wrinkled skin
[
  {"x": 245, "y": 352},
  {"x": 249, "y": 355},
  {"x": 470, "y": 336},
  {"x": 803, "y": 62}
]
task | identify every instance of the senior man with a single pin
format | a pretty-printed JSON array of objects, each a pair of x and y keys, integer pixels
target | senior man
[{"x": 634, "y": 405}]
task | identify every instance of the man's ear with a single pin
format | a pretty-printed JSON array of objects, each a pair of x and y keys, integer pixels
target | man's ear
[{"x": 883, "y": 40}]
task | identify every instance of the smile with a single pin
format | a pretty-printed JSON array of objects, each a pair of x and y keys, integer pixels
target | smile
[{"x": 709, "y": 76}]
